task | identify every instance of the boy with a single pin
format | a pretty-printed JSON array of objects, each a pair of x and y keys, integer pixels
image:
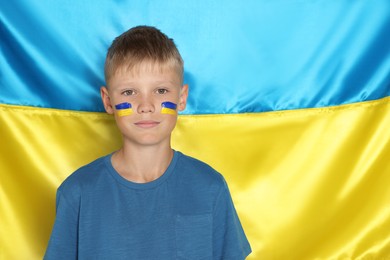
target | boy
[{"x": 145, "y": 201}]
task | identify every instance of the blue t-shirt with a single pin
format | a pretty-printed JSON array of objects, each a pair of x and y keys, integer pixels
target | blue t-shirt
[{"x": 187, "y": 213}]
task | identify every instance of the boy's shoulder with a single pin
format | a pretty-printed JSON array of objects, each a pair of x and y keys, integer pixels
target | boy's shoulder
[
  {"x": 85, "y": 175},
  {"x": 196, "y": 170}
]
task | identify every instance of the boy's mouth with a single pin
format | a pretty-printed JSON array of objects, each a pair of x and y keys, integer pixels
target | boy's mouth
[{"x": 146, "y": 123}]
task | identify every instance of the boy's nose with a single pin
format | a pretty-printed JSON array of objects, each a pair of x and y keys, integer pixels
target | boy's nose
[{"x": 146, "y": 106}]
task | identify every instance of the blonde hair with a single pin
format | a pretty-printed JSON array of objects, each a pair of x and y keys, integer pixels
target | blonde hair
[{"x": 139, "y": 45}]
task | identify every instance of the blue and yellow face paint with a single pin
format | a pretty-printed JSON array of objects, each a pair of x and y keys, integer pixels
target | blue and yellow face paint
[
  {"x": 168, "y": 108},
  {"x": 124, "y": 109}
]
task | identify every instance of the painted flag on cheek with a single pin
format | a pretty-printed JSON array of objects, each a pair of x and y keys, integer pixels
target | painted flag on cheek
[
  {"x": 168, "y": 108},
  {"x": 124, "y": 109}
]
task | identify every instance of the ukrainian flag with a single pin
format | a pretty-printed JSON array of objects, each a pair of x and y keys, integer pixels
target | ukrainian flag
[{"x": 289, "y": 100}]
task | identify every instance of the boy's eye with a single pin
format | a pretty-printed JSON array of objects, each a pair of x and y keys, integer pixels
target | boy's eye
[
  {"x": 161, "y": 91},
  {"x": 128, "y": 92}
]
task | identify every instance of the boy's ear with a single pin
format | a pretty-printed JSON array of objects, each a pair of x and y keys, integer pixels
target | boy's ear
[
  {"x": 183, "y": 97},
  {"x": 106, "y": 100}
]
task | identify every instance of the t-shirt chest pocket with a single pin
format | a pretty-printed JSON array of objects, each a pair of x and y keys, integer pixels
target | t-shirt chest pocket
[{"x": 194, "y": 236}]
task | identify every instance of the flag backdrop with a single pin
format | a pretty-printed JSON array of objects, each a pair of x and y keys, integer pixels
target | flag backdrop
[{"x": 289, "y": 100}]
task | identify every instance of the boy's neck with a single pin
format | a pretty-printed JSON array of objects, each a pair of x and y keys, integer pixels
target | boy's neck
[{"x": 142, "y": 165}]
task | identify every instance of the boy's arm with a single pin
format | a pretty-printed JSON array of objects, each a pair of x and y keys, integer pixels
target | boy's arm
[
  {"x": 229, "y": 240},
  {"x": 63, "y": 240}
]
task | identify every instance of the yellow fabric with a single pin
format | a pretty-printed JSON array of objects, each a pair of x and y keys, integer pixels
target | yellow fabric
[{"x": 307, "y": 184}]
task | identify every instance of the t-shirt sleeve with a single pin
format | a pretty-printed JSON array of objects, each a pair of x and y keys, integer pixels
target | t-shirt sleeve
[
  {"x": 63, "y": 240},
  {"x": 229, "y": 240}
]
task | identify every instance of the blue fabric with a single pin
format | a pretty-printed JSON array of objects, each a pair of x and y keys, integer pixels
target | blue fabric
[
  {"x": 239, "y": 57},
  {"x": 187, "y": 213}
]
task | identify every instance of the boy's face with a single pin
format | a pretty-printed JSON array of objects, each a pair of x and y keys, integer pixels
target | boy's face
[{"x": 145, "y": 89}]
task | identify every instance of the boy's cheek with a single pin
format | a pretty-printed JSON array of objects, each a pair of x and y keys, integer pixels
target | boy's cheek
[
  {"x": 168, "y": 108},
  {"x": 123, "y": 109}
]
